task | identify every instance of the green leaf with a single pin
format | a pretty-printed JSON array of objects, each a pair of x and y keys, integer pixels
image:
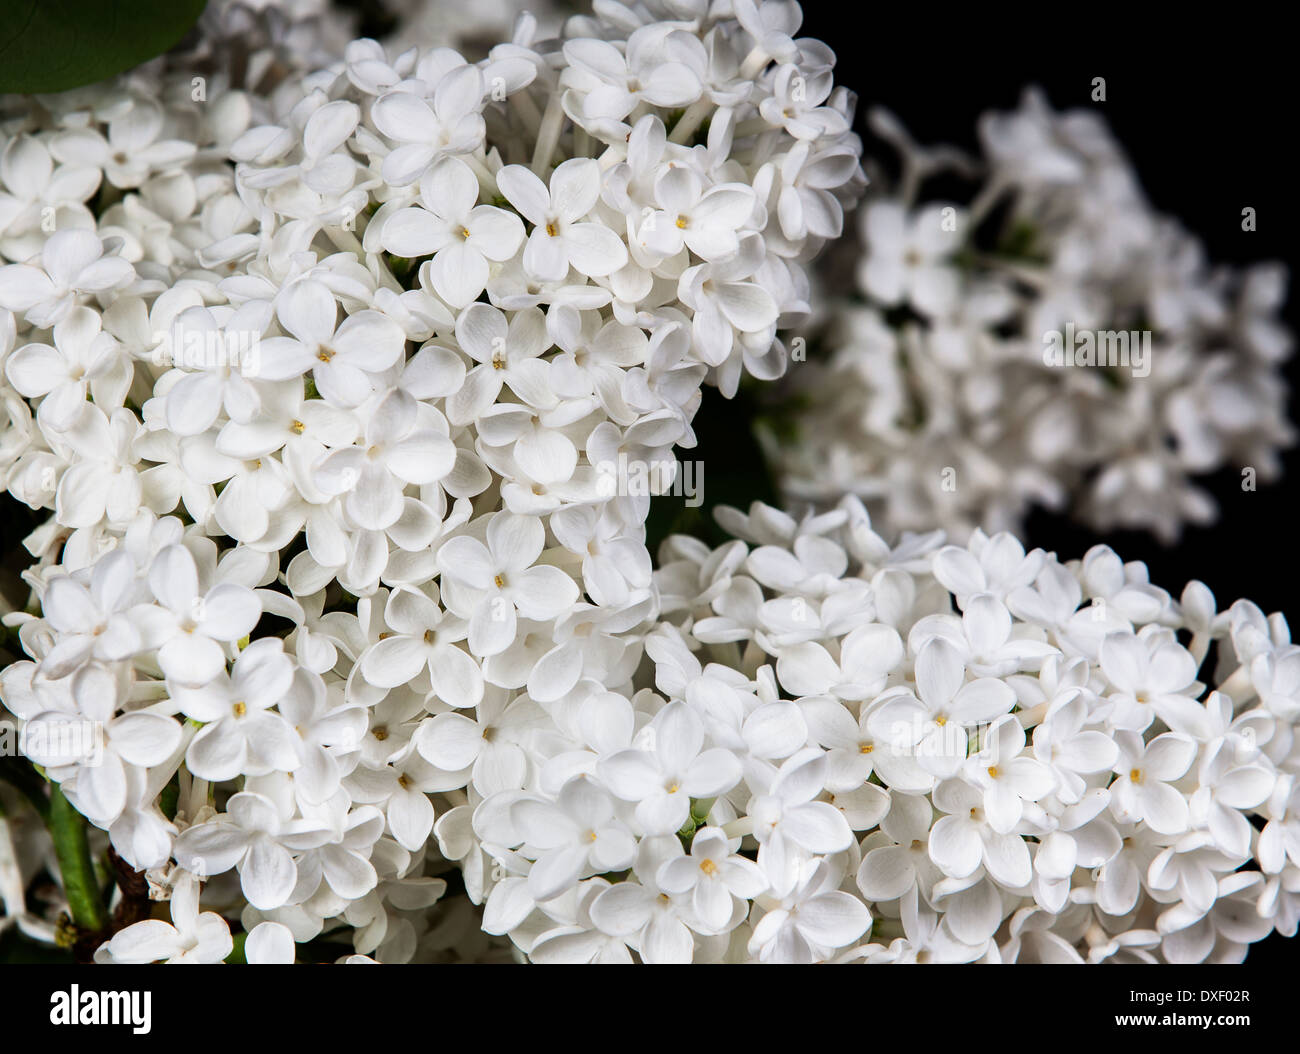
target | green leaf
[
  {"x": 237, "y": 954},
  {"x": 56, "y": 45},
  {"x": 22, "y": 775},
  {"x": 170, "y": 797},
  {"x": 16, "y": 948}
]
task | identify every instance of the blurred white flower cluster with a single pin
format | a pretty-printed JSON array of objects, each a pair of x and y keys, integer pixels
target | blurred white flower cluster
[
  {"x": 1053, "y": 341},
  {"x": 338, "y": 385}
]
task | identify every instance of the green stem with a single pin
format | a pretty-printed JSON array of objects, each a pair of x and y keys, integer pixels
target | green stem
[
  {"x": 68, "y": 829},
  {"x": 699, "y": 816}
]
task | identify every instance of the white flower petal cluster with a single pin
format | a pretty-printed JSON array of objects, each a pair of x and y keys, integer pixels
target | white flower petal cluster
[
  {"x": 437, "y": 23},
  {"x": 928, "y": 393},
  {"x": 841, "y": 751},
  {"x": 333, "y": 385},
  {"x": 331, "y": 365}
]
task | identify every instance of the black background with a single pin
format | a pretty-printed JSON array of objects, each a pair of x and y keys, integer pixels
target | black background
[{"x": 1205, "y": 117}]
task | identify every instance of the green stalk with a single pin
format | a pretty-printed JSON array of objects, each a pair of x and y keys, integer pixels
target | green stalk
[
  {"x": 68, "y": 829},
  {"x": 699, "y": 816}
]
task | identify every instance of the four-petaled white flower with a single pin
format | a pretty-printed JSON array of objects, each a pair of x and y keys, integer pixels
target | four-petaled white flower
[
  {"x": 343, "y": 360},
  {"x": 560, "y": 239},
  {"x": 461, "y": 235},
  {"x": 501, "y": 580}
]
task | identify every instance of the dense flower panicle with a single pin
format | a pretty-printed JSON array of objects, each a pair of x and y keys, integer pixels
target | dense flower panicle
[
  {"x": 331, "y": 365},
  {"x": 838, "y": 750},
  {"x": 1056, "y": 342}
]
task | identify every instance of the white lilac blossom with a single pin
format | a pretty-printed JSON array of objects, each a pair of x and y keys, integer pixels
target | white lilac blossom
[
  {"x": 928, "y": 752},
  {"x": 319, "y": 381},
  {"x": 923, "y": 754},
  {"x": 326, "y": 366},
  {"x": 1053, "y": 342}
]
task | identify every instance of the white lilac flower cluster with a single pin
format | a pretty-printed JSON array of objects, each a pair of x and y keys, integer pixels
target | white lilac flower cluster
[
  {"x": 338, "y": 388},
  {"x": 857, "y": 753},
  {"x": 1053, "y": 342}
]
